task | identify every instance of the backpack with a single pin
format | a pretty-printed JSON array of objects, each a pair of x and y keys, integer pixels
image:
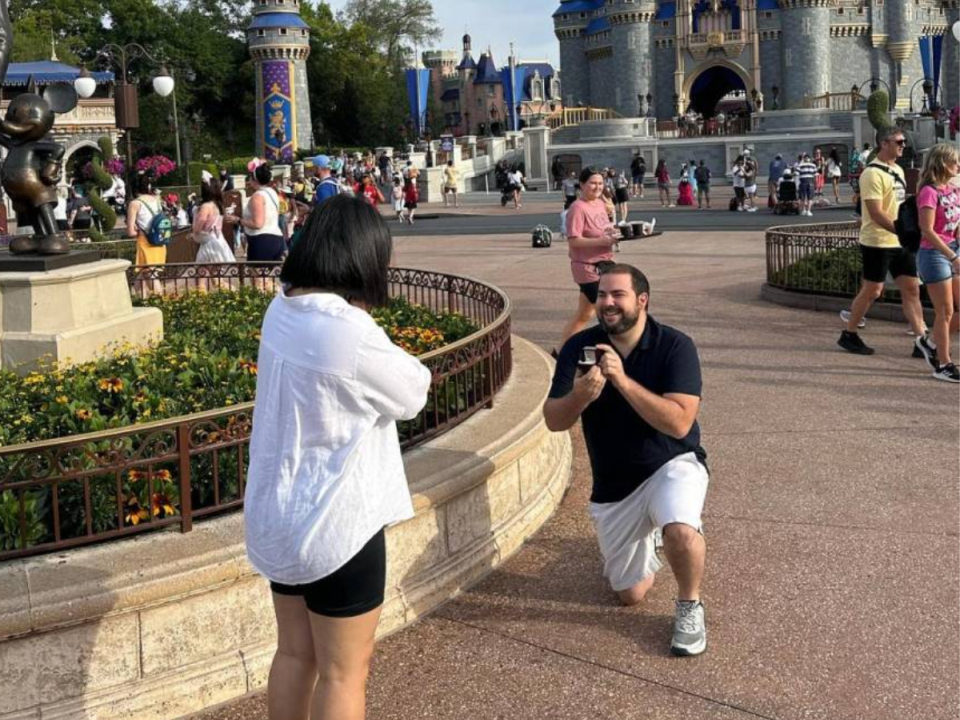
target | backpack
[
  {"x": 908, "y": 216},
  {"x": 542, "y": 237},
  {"x": 161, "y": 228}
]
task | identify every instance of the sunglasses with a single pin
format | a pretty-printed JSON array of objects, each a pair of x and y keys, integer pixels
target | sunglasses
[{"x": 900, "y": 143}]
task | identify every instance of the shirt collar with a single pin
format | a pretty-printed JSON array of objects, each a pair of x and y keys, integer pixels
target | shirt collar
[{"x": 326, "y": 302}]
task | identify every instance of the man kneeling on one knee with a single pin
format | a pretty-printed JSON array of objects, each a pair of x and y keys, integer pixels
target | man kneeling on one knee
[{"x": 636, "y": 385}]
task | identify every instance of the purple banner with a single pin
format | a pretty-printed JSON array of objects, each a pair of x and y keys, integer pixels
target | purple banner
[{"x": 279, "y": 111}]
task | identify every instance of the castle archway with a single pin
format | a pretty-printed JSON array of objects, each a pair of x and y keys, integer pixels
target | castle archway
[{"x": 706, "y": 87}]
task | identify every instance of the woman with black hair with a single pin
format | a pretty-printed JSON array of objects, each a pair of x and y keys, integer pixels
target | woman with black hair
[
  {"x": 261, "y": 218},
  {"x": 140, "y": 214},
  {"x": 326, "y": 475},
  {"x": 208, "y": 225}
]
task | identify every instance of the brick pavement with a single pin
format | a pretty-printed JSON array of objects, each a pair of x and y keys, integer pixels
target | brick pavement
[{"x": 831, "y": 523}]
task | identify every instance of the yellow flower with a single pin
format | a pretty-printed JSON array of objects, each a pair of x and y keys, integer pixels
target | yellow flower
[
  {"x": 160, "y": 502},
  {"x": 164, "y": 475},
  {"x": 33, "y": 379},
  {"x": 62, "y": 399},
  {"x": 83, "y": 414},
  {"x": 111, "y": 385},
  {"x": 135, "y": 513}
]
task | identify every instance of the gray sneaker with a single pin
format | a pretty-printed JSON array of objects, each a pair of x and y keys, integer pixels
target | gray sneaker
[
  {"x": 845, "y": 316},
  {"x": 689, "y": 629}
]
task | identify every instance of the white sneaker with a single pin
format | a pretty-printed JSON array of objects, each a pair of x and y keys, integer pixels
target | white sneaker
[
  {"x": 845, "y": 316},
  {"x": 751, "y": 209},
  {"x": 689, "y": 629}
]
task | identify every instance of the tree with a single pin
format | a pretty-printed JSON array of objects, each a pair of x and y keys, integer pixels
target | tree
[{"x": 392, "y": 20}]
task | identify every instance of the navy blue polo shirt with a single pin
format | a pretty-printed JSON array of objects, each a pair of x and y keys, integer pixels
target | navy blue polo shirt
[{"x": 624, "y": 450}]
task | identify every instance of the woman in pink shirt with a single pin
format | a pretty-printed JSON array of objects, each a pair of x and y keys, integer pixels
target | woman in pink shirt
[
  {"x": 939, "y": 203},
  {"x": 590, "y": 238}
]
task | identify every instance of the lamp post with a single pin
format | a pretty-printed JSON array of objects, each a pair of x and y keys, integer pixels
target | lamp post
[
  {"x": 928, "y": 89},
  {"x": 874, "y": 87},
  {"x": 649, "y": 105},
  {"x": 126, "y": 100},
  {"x": 776, "y": 96},
  {"x": 640, "y": 105}
]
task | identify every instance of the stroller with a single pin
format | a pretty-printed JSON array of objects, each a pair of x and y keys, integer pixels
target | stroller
[{"x": 787, "y": 198}]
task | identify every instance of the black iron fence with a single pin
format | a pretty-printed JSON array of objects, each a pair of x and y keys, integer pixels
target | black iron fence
[
  {"x": 88, "y": 488},
  {"x": 820, "y": 259}
]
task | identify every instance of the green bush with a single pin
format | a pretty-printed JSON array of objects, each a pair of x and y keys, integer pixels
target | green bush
[{"x": 102, "y": 181}]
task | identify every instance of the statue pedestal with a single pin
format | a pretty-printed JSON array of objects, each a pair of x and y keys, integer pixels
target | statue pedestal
[{"x": 70, "y": 314}]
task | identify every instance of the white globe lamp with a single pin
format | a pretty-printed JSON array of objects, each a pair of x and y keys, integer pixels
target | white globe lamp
[
  {"x": 956, "y": 30},
  {"x": 84, "y": 84},
  {"x": 163, "y": 83}
]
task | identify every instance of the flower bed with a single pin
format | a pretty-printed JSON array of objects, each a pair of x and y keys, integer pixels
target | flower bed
[{"x": 207, "y": 360}]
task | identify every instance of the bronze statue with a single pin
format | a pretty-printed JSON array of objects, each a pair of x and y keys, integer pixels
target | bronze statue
[{"x": 33, "y": 167}]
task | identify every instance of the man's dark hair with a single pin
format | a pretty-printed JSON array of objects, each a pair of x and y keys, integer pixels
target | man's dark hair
[
  {"x": 588, "y": 172},
  {"x": 638, "y": 279},
  {"x": 887, "y": 132},
  {"x": 344, "y": 248}
]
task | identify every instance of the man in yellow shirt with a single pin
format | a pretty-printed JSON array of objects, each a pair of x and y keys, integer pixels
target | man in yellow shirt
[
  {"x": 450, "y": 179},
  {"x": 882, "y": 189}
]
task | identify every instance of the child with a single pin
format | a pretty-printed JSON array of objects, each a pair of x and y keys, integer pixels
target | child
[
  {"x": 410, "y": 197},
  {"x": 398, "y": 198}
]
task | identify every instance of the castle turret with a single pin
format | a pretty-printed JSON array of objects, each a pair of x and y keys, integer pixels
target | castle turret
[
  {"x": 570, "y": 24},
  {"x": 279, "y": 42},
  {"x": 805, "y": 49},
  {"x": 631, "y": 33}
]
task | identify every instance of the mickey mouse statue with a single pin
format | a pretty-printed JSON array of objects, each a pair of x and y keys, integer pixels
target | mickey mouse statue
[{"x": 33, "y": 167}]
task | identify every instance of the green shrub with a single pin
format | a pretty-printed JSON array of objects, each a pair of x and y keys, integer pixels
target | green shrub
[{"x": 102, "y": 181}]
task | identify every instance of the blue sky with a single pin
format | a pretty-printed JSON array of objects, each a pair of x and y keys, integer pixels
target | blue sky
[{"x": 496, "y": 23}]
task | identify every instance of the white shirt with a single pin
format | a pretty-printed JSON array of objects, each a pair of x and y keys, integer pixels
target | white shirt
[
  {"x": 738, "y": 179},
  {"x": 271, "y": 213},
  {"x": 325, "y": 467}
]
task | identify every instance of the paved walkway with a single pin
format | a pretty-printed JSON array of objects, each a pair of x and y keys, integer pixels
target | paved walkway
[{"x": 831, "y": 524}]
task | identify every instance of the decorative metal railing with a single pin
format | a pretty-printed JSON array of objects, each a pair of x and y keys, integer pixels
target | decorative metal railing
[
  {"x": 818, "y": 259},
  {"x": 88, "y": 488},
  {"x": 845, "y": 102}
]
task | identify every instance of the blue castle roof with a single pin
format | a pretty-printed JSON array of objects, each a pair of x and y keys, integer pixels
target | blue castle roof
[
  {"x": 487, "y": 73},
  {"x": 577, "y": 6},
  {"x": 277, "y": 20},
  {"x": 468, "y": 63},
  {"x": 48, "y": 72}
]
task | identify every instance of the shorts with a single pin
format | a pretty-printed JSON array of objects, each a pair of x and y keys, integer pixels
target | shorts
[
  {"x": 590, "y": 290},
  {"x": 622, "y": 195},
  {"x": 568, "y": 201},
  {"x": 354, "y": 589},
  {"x": 449, "y": 189},
  {"x": 663, "y": 186},
  {"x": 673, "y": 494},
  {"x": 410, "y": 204},
  {"x": 933, "y": 266},
  {"x": 638, "y": 179},
  {"x": 878, "y": 261},
  {"x": 398, "y": 205},
  {"x": 751, "y": 189},
  {"x": 703, "y": 189},
  {"x": 740, "y": 193},
  {"x": 806, "y": 189}
]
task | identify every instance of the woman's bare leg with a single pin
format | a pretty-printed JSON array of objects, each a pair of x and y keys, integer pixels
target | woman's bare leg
[
  {"x": 293, "y": 674},
  {"x": 344, "y": 649},
  {"x": 585, "y": 313}
]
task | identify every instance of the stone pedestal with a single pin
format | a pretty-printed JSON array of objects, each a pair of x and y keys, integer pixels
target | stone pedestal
[
  {"x": 70, "y": 315},
  {"x": 535, "y": 143}
]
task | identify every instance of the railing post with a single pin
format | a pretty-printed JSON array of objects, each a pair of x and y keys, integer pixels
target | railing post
[{"x": 186, "y": 500}]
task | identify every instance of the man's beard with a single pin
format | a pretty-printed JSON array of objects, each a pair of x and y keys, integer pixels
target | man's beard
[{"x": 624, "y": 323}]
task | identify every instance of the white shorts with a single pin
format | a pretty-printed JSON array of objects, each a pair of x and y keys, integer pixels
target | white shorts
[
  {"x": 398, "y": 205},
  {"x": 751, "y": 189},
  {"x": 673, "y": 494}
]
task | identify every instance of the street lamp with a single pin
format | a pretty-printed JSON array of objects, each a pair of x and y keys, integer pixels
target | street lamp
[
  {"x": 649, "y": 105},
  {"x": 776, "y": 96},
  {"x": 929, "y": 90},
  {"x": 126, "y": 101}
]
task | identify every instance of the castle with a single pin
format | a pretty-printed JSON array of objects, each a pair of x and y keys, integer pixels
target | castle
[
  {"x": 664, "y": 57},
  {"x": 279, "y": 42},
  {"x": 476, "y": 100}
]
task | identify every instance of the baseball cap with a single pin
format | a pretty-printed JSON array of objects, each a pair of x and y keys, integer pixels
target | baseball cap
[{"x": 322, "y": 162}]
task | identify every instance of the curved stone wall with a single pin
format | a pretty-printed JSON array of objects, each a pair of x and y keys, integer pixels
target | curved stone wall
[{"x": 167, "y": 624}]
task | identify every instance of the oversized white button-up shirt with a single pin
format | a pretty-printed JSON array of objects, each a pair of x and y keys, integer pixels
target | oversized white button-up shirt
[{"x": 325, "y": 467}]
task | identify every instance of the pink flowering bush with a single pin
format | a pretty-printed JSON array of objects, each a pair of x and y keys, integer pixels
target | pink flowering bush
[
  {"x": 115, "y": 166},
  {"x": 156, "y": 165}
]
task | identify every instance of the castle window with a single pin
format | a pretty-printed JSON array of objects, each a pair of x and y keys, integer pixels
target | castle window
[
  {"x": 283, "y": 31},
  {"x": 768, "y": 15},
  {"x": 860, "y": 11},
  {"x": 583, "y": 16},
  {"x": 303, "y": 32},
  {"x": 839, "y": 11},
  {"x": 261, "y": 33}
]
